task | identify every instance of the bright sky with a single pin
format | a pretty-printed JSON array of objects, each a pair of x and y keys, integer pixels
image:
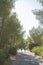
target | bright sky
[{"x": 24, "y": 12}]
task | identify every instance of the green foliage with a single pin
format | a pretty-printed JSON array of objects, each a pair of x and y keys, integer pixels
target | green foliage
[
  {"x": 3, "y": 56},
  {"x": 36, "y": 35},
  {"x": 36, "y": 40},
  {"x": 38, "y": 50},
  {"x": 41, "y": 53},
  {"x": 13, "y": 51},
  {"x": 5, "y": 11},
  {"x": 11, "y": 31},
  {"x": 39, "y": 13},
  {"x": 39, "y": 16},
  {"x": 5, "y": 7},
  {"x": 31, "y": 46},
  {"x": 22, "y": 45}
]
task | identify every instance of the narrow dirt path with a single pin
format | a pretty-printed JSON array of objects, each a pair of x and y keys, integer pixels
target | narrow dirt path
[{"x": 25, "y": 58}]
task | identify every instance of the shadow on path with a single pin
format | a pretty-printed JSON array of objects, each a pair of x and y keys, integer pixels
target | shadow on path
[{"x": 24, "y": 59}]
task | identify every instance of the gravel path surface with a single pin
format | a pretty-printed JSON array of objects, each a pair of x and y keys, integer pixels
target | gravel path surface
[{"x": 26, "y": 58}]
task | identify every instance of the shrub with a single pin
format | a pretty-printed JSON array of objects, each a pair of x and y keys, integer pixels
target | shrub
[
  {"x": 41, "y": 54},
  {"x": 3, "y": 56},
  {"x": 13, "y": 51},
  {"x": 31, "y": 46},
  {"x": 41, "y": 51},
  {"x": 38, "y": 50}
]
